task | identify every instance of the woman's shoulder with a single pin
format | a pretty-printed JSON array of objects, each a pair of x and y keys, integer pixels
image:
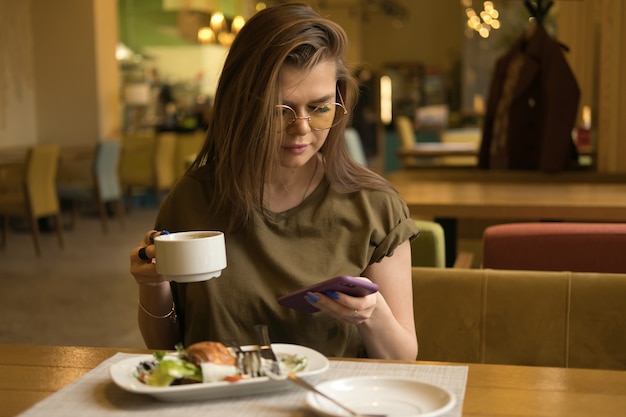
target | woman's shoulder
[
  {"x": 388, "y": 199},
  {"x": 379, "y": 192},
  {"x": 193, "y": 180},
  {"x": 200, "y": 174},
  {"x": 188, "y": 195},
  {"x": 367, "y": 201}
]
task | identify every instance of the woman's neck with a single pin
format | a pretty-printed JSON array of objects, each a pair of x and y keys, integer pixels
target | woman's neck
[{"x": 292, "y": 186}]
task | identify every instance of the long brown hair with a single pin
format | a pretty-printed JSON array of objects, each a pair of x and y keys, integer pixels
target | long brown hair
[{"x": 242, "y": 144}]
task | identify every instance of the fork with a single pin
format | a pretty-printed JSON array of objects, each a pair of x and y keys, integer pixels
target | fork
[
  {"x": 265, "y": 348},
  {"x": 248, "y": 361}
]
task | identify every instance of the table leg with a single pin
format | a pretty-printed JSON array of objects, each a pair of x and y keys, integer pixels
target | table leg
[{"x": 449, "y": 225}]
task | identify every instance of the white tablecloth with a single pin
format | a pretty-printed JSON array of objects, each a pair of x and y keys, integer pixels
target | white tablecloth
[{"x": 95, "y": 395}]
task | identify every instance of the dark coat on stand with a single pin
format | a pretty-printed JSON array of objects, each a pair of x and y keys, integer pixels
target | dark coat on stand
[{"x": 542, "y": 110}]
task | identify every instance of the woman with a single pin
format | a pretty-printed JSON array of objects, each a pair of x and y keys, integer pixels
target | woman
[{"x": 275, "y": 176}]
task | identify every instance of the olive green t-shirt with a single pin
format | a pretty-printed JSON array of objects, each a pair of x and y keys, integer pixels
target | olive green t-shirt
[{"x": 328, "y": 234}]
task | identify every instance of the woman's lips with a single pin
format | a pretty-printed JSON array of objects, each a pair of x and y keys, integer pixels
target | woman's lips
[{"x": 296, "y": 149}]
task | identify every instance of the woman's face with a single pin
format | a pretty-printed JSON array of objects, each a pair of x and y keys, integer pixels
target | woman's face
[{"x": 304, "y": 91}]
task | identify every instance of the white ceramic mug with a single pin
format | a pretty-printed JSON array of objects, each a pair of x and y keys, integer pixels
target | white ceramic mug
[{"x": 190, "y": 256}]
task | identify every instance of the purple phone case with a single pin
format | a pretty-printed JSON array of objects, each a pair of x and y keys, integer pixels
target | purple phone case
[{"x": 348, "y": 285}]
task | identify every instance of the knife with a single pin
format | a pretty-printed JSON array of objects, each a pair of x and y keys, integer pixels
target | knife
[{"x": 265, "y": 348}]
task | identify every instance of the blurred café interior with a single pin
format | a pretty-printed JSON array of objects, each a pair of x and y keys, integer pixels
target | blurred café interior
[
  {"x": 79, "y": 74},
  {"x": 428, "y": 63},
  {"x": 501, "y": 123}
]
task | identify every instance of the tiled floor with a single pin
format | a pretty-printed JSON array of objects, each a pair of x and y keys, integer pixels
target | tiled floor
[{"x": 81, "y": 295}]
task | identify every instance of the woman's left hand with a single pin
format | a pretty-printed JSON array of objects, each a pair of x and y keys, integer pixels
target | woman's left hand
[{"x": 349, "y": 309}]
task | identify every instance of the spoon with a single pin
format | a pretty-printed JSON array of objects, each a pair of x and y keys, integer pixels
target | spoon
[{"x": 302, "y": 383}]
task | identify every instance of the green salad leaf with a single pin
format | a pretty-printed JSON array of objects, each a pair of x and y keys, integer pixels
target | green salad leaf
[{"x": 171, "y": 369}]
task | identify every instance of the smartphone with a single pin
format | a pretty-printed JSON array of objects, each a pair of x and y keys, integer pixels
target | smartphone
[{"x": 352, "y": 286}]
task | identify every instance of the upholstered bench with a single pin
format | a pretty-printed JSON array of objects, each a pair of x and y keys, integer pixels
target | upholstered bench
[
  {"x": 555, "y": 246},
  {"x": 560, "y": 319}
]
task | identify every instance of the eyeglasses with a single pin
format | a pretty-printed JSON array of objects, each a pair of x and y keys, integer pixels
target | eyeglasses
[{"x": 321, "y": 117}]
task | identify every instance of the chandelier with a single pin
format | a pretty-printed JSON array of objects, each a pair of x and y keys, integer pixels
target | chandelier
[
  {"x": 484, "y": 21},
  {"x": 208, "y": 27},
  {"x": 220, "y": 30}
]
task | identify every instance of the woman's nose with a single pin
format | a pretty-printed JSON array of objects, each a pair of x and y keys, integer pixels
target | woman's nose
[{"x": 301, "y": 126}]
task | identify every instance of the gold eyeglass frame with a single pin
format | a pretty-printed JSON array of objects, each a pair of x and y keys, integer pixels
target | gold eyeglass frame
[{"x": 308, "y": 116}]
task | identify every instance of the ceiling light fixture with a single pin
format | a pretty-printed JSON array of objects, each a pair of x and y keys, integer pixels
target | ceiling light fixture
[
  {"x": 218, "y": 29},
  {"x": 484, "y": 21}
]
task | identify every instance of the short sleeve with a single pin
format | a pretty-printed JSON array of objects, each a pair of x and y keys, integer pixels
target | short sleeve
[{"x": 394, "y": 227}]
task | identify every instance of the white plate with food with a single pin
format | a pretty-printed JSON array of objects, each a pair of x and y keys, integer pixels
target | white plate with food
[
  {"x": 376, "y": 395},
  {"x": 125, "y": 375}
]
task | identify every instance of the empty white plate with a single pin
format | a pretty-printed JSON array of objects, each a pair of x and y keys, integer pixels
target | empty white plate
[{"x": 390, "y": 396}]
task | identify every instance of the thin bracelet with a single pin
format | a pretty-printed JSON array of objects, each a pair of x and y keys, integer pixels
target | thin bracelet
[{"x": 171, "y": 315}]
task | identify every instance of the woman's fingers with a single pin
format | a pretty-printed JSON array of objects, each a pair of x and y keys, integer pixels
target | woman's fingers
[
  {"x": 142, "y": 261},
  {"x": 142, "y": 254},
  {"x": 146, "y": 251},
  {"x": 343, "y": 307},
  {"x": 149, "y": 238}
]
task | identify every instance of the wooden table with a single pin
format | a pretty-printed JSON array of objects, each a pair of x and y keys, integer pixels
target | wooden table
[
  {"x": 12, "y": 167},
  {"x": 29, "y": 374},
  {"x": 435, "y": 149},
  {"x": 438, "y": 154},
  {"x": 514, "y": 200},
  {"x": 12, "y": 159},
  {"x": 13, "y": 154},
  {"x": 447, "y": 196},
  {"x": 15, "y": 158}
]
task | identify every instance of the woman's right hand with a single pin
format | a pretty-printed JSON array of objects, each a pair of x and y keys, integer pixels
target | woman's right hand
[{"x": 142, "y": 265}]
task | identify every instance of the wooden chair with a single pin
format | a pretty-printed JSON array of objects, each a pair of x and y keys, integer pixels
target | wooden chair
[
  {"x": 187, "y": 147},
  {"x": 33, "y": 195},
  {"x": 429, "y": 248},
  {"x": 355, "y": 146},
  {"x": 148, "y": 163},
  {"x": 562, "y": 246},
  {"x": 406, "y": 136},
  {"x": 405, "y": 131},
  {"x": 100, "y": 182}
]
